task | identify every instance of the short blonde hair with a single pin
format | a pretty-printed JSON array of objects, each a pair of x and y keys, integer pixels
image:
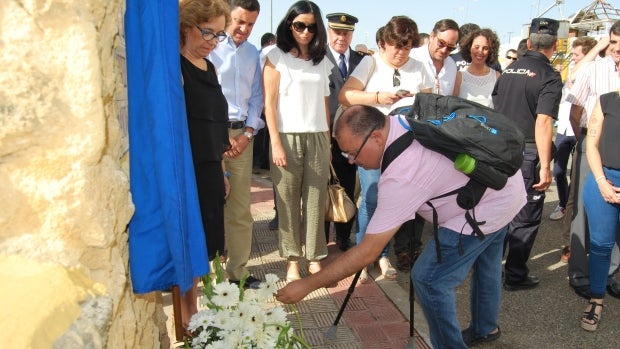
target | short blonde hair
[{"x": 194, "y": 12}]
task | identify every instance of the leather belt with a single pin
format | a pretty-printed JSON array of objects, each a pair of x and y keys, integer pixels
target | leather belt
[{"x": 235, "y": 125}]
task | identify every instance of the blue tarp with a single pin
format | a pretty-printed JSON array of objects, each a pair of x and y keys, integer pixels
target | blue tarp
[{"x": 166, "y": 238}]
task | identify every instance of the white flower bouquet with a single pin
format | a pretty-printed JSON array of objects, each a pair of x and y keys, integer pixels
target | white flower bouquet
[{"x": 233, "y": 317}]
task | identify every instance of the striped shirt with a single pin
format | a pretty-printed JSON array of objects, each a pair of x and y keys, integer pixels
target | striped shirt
[{"x": 593, "y": 80}]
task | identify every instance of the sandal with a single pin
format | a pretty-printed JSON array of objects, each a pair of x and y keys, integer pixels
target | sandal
[
  {"x": 292, "y": 271},
  {"x": 388, "y": 272},
  {"x": 590, "y": 319},
  {"x": 363, "y": 276}
]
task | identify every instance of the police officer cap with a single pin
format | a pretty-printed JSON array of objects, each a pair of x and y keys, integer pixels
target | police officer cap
[
  {"x": 341, "y": 21},
  {"x": 544, "y": 26}
]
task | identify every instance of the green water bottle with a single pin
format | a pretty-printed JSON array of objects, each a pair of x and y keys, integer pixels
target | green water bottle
[{"x": 465, "y": 163}]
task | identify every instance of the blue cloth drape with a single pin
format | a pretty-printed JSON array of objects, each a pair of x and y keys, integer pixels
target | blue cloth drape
[{"x": 166, "y": 238}]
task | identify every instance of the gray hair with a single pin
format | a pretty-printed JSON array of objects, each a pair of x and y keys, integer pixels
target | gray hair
[{"x": 542, "y": 41}]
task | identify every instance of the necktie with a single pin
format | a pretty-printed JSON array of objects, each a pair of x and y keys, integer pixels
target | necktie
[{"x": 342, "y": 66}]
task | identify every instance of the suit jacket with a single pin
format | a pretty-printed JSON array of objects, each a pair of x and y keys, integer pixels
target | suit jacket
[{"x": 336, "y": 81}]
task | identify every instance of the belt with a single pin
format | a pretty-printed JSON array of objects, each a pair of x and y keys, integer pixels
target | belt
[{"x": 235, "y": 125}]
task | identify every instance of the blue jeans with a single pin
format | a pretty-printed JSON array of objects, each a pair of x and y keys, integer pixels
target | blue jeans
[
  {"x": 435, "y": 283},
  {"x": 565, "y": 146},
  {"x": 369, "y": 179},
  {"x": 603, "y": 224}
]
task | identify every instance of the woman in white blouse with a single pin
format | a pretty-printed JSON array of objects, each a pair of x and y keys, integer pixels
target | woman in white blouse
[
  {"x": 296, "y": 88},
  {"x": 475, "y": 83}
]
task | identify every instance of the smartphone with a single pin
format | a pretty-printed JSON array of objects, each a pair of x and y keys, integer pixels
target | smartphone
[{"x": 403, "y": 93}]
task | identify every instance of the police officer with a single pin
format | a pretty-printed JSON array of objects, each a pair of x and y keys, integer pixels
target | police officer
[
  {"x": 340, "y": 27},
  {"x": 530, "y": 91}
]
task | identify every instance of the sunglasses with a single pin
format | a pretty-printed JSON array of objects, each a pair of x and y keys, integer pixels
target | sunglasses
[
  {"x": 511, "y": 58},
  {"x": 396, "y": 78},
  {"x": 208, "y": 35},
  {"x": 442, "y": 44},
  {"x": 300, "y": 27}
]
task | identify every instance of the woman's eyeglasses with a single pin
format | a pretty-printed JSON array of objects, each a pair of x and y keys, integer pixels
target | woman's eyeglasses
[
  {"x": 442, "y": 44},
  {"x": 511, "y": 58},
  {"x": 396, "y": 78},
  {"x": 208, "y": 35},
  {"x": 300, "y": 27}
]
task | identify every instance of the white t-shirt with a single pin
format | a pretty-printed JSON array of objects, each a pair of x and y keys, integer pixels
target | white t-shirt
[
  {"x": 302, "y": 92},
  {"x": 419, "y": 174},
  {"x": 413, "y": 77}
]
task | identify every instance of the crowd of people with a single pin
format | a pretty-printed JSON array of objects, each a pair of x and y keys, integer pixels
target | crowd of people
[{"x": 285, "y": 98}]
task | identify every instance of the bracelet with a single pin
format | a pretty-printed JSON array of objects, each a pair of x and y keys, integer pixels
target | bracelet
[
  {"x": 599, "y": 178},
  {"x": 226, "y": 174},
  {"x": 377, "y": 97}
]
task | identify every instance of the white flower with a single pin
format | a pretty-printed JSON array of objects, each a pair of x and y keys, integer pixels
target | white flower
[
  {"x": 268, "y": 287},
  {"x": 235, "y": 318},
  {"x": 275, "y": 315},
  {"x": 226, "y": 295}
]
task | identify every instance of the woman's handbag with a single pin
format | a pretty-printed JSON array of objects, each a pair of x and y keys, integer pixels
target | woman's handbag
[{"x": 339, "y": 207}]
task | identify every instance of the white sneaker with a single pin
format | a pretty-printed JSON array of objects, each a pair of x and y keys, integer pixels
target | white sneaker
[{"x": 557, "y": 214}]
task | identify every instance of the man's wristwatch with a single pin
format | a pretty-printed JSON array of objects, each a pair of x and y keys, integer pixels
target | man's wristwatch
[{"x": 249, "y": 135}]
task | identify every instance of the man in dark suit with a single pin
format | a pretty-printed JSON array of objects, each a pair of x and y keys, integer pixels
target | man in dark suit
[{"x": 340, "y": 33}]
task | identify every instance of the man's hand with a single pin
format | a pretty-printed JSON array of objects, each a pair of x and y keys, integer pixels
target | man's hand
[
  {"x": 545, "y": 179},
  {"x": 293, "y": 292},
  {"x": 238, "y": 146}
]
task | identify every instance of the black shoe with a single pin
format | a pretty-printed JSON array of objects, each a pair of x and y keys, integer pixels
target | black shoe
[
  {"x": 250, "y": 282},
  {"x": 530, "y": 281},
  {"x": 344, "y": 244},
  {"x": 471, "y": 340},
  {"x": 273, "y": 224},
  {"x": 582, "y": 291},
  {"x": 613, "y": 289}
]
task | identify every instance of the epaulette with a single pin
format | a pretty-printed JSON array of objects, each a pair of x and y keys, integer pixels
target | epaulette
[{"x": 362, "y": 54}]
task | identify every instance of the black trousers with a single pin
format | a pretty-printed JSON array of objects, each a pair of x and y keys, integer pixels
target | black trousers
[
  {"x": 523, "y": 229},
  {"x": 346, "y": 173}
]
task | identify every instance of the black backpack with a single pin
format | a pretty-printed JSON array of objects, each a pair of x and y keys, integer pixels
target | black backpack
[{"x": 454, "y": 126}]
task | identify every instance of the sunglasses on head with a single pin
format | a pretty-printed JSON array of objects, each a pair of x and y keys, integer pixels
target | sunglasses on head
[
  {"x": 300, "y": 27},
  {"x": 442, "y": 44},
  {"x": 511, "y": 58}
]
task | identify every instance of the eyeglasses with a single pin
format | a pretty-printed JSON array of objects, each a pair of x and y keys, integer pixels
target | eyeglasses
[
  {"x": 511, "y": 58},
  {"x": 301, "y": 26},
  {"x": 396, "y": 78},
  {"x": 208, "y": 35},
  {"x": 346, "y": 155},
  {"x": 442, "y": 44}
]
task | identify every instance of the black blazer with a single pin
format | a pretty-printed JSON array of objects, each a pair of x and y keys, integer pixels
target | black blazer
[{"x": 336, "y": 81}]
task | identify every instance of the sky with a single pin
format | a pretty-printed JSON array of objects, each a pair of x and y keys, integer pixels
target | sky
[{"x": 505, "y": 17}]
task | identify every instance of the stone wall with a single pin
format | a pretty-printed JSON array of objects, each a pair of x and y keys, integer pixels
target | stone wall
[{"x": 64, "y": 188}]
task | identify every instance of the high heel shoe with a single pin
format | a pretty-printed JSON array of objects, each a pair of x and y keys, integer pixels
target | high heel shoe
[
  {"x": 590, "y": 319},
  {"x": 292, "y": 271},
  {"x": 314, "y": 267},
  {"x": 387, "y": 270}
]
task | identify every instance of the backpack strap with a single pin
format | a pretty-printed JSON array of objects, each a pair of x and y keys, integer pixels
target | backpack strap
[{"x": 398, "y": 146}]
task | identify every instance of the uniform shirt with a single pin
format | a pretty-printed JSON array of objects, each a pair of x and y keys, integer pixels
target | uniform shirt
[
  {"x": 528, "y": 87},
  {"x": 239, "y": 73},
  {"x": 593, "y": 80},
  {"x": 419, "y": 174},
  {"x": 445, "y": 78}
]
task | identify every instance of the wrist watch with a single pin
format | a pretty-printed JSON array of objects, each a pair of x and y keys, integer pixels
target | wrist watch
[{"x": 249, "y": 135}]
